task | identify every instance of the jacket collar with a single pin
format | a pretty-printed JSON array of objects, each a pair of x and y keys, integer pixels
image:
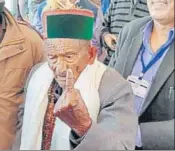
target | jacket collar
[
  {"x": 13, "y": 33},
  {"x": 164, "y": 71},
  {"x": 13, "y": 41}
]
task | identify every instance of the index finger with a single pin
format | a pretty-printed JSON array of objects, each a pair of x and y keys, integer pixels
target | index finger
[{"x": 69, "y": 80}]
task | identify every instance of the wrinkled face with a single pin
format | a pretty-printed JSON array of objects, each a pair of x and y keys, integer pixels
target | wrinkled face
[
  {"x": 66, "y": 54},
  {"x": 162, "y": 10}
]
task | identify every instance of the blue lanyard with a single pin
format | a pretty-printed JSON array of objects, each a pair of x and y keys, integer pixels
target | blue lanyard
[{"x": 160, "y": 53}]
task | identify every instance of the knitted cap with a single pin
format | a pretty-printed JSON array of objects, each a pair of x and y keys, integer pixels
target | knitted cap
[{"x": 73, "y": 24}]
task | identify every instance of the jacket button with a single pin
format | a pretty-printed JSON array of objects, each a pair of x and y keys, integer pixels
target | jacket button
[{"x": 21, "y": 47}]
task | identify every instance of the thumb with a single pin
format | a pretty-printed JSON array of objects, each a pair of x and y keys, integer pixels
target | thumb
[{"x": 114, "y": 37}]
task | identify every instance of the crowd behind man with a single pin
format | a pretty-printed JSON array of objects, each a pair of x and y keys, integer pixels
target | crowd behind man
[{"x": 134, "y": 37}]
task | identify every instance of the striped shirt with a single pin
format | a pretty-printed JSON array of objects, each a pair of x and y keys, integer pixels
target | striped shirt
[
  {"x": 123, "y": 11},
  {"x": 119, "y": 13}
]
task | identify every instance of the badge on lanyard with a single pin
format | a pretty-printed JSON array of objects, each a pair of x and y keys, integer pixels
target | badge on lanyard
[{"x": 139, "y": 86}]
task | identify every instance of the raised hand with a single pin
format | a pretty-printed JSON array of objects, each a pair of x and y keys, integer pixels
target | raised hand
[{"x": 71, "y": 109}]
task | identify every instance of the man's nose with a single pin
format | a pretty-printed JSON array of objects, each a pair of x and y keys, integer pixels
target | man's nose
[{"x": 61, "y": 66}]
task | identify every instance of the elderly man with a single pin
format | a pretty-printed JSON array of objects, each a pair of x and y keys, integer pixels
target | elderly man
[
  {"x": 20, "y": 49},
  {"x": 71, "y": 101},
  {"x": 145, "y": 56}
]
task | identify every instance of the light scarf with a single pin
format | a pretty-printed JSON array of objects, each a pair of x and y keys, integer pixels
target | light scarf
[{"x": 37, "y": 101}]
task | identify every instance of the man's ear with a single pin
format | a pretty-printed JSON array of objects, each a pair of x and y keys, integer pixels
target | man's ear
[{"x": 92, "y": 54}]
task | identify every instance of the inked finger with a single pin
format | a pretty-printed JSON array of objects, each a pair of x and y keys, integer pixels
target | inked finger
[{"x": 69, "y": 80}]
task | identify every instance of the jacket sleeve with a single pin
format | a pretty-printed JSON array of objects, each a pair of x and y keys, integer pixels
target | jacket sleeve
[
  {"x": 116, "y": 125},
  {"x": 115, "y": 59},
  {"x": 17, "y": 140},
  {"x": 38, "y": 50},
  {"x": 158, "y": 135},
  {"x": 97, "y": 31}
]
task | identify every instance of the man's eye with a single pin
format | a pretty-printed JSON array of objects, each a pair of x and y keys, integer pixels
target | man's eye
[
  {"x": 69, "y": 56},
  {"x": 51, "y": 57}
]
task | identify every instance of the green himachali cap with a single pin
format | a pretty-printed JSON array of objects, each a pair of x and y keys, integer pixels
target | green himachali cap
[{"x": 73, "y": 24}]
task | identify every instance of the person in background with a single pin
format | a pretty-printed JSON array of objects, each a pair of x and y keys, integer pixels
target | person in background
[
  {"x": 145, "y": 56},
  {"x": 105, "y": 5},
  {"x": 97, "y": 31},
  {"x": 118, "y": 14},
  {"x": 32, "y": 9},
  {"x": 37, "y": 20},
  {"x": 102, "y": 8},
  {"x": 20, "y": 49}
]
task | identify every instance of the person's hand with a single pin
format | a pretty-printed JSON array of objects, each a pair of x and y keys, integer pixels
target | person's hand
[
  {"x": 71, "y": 108},
  {"x": 110, "y": 41}
]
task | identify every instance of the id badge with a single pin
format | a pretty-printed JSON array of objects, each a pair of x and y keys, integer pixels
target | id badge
[{"x": 139, "y": 87}]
